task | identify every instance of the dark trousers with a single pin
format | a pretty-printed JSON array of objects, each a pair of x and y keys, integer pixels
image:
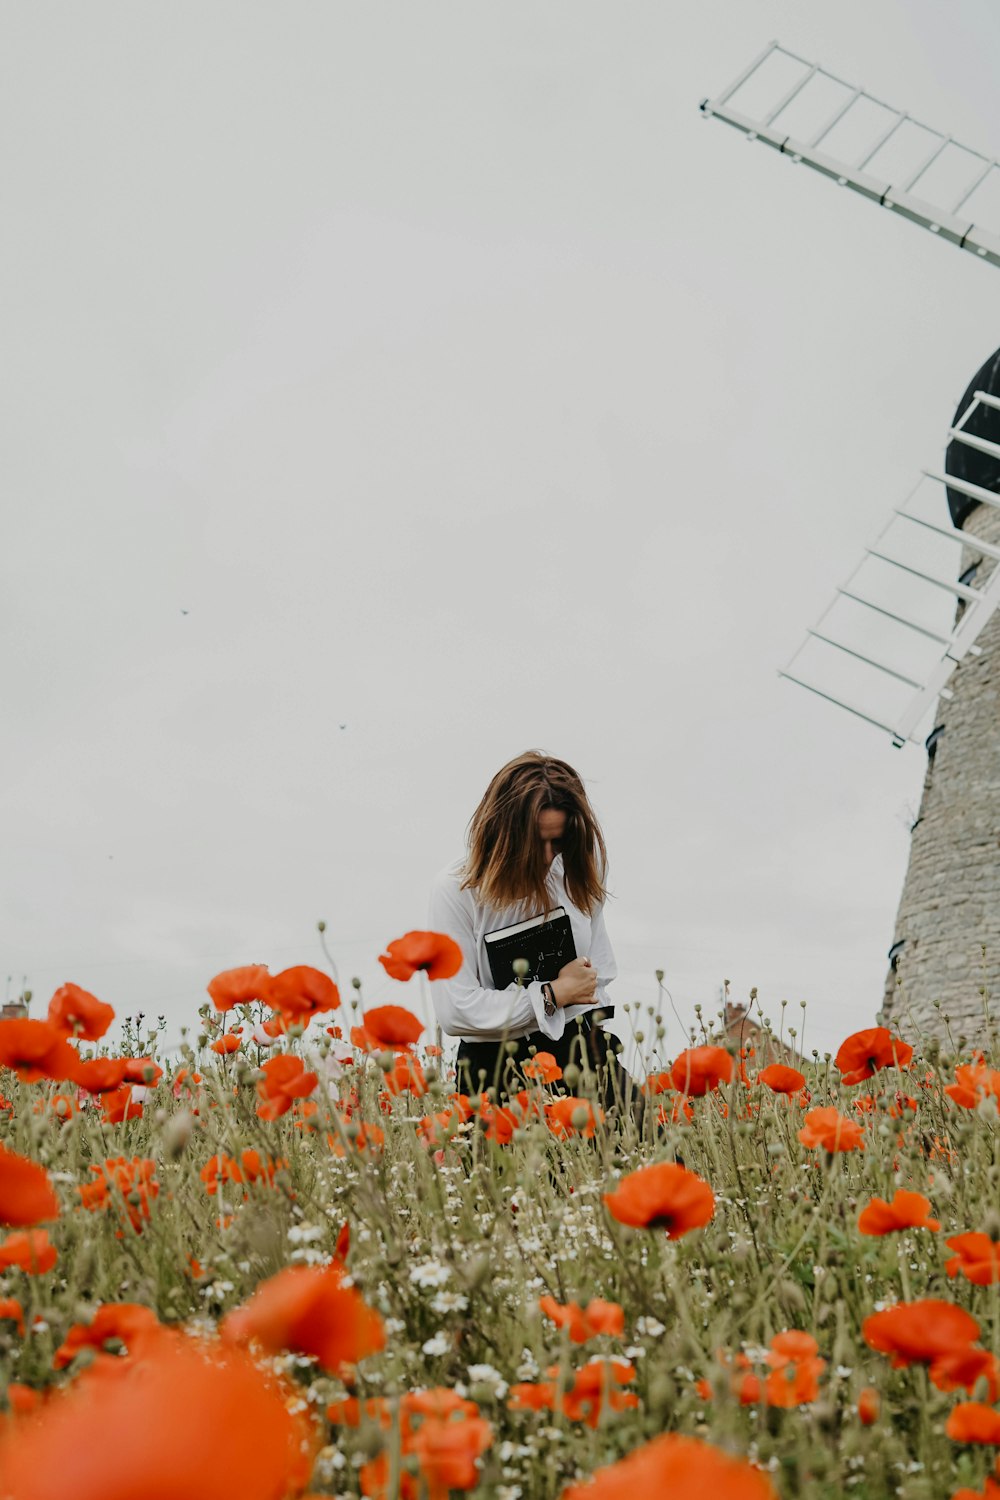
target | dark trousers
[{"x": 483, "y": 1065}]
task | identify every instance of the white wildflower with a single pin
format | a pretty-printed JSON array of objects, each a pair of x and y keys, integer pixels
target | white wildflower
[
  {"x": 439, "y": 1344},
  {"x": 429, "y": 1273}
]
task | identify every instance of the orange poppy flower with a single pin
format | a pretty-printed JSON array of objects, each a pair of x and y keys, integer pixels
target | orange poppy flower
[
  {"x": 906, "y": 1211},
  {"x": 662, "y": 1196},
  {"x": 36, "y": 1049},
  {"x": 127, "y": 1322},
  {"x": 436, "y": 954},
  {"x": 680, "y": 1110},
  {"x": 544, "y": 1068},
  {"x": 699, "y": 1070},
  {"x": 12, "y": 1311},
  {"x": 446, "y": 1452},
  {"x": 830, "y": 1130},
  {"x": 406, "y": 1076},
  {"x": 118, "y": 1105},
  {"x": 976, "y": 1256},
  {"x": 127, "y": 1185},
  {"x": 869, "y": 1405},
  {"x": 678, "y": 1466},
  {"x": 990, "y": 1491},
  {"x": 530, "y": 1395},
  {"x": 30, "y": 1250},
  {"x": 100, "y": 1075},
  {"x": 143, "y": 1071},
  {"x": 863, "y": 1053},
  {"x": 302, "y": 992},
  {"x": 960, "y": 1369},
  {"x": 560, "y": 1112},
  {"x": 594, "y": 1391},
  {"x": 216, "y": 1423},
  {"x": 973, "y": 1422},
  {"x": 919, "y": 1332},
  {"x": 973, "y": 1082},
  {"x": 239, "y": 986},
  {"x": 226, "y": 1044},
  {"x": 583, "y": 1324},
  {"x": 782, "y": 1080},
  {"x": 657, "y": 1083},
  {"x": 26, "y": 1194},
  {"x": 309, "y": 1310},
  {"x": 386, "y": 1028},
  {"x": 75, "y": 1012},
  {"x": 285, "y": 1080}
]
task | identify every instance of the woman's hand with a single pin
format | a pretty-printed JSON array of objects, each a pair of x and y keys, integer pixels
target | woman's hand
[{"x": 576, "y": 984}]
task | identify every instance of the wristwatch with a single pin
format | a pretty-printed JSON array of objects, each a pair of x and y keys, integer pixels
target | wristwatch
[{"x": 549, "y": 1000}]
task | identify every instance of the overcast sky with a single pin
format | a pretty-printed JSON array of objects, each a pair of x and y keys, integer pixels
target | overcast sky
[{"x": 391, "y": 388}]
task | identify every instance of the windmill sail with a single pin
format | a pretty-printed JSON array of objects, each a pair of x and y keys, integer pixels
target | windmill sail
[
  {"x": 888, "y": 644},
  {"x": 861, "y": 143}
]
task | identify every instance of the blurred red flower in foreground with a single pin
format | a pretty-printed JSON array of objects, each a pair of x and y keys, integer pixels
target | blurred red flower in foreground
[
  {"x": 973, "y": 1422},
  {"x": 906, "y": 1211},
  {"x": 662, "y": 1196},
  {"x": 36, "y": 1049},
  {"x": 239, "y": 986},
  {"x": 919, "y": 1332},
  {"x": 387, "y": 1027},
  {"x": 585, "y": 1323},
  {"x": 830, "y": 1130},
  {"x": 976, "y": 1256},
  {"x": 438, "y": 955},
  {"x": 125, "y": 1322},
  {"x": 285, "y": 1079},
  {"x": 863, "y": 1053},
  {"x": 302, "y": 992},
  {"x": 26, "y": 1194},
  {"x": 699, "y": 1070},
  {"x": 78, "y": 1013},
  {"x": 782, "y": 1080},
  {"x": 101, "y": 1075},
  {"x": 30, "y": 1250},
  {"x": 188, "y": 1419},
  {"x": 568, "y": 1116},
  {"x": 309, "y": 1310},
  {"x": 684, "y": 1468}
]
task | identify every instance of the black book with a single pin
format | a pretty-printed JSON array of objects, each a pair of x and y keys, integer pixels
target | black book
[{"x": 546, "y": 942}]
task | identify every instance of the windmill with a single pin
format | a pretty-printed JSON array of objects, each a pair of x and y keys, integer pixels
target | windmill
[{"x": 911, "y": 641}]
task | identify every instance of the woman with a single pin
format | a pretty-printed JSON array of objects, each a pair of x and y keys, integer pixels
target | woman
[{"x": 534, "y": 844}]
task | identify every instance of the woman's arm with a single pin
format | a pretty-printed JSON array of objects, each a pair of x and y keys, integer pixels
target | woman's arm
[
  {"x": 602, "y": 957},
  {"x": 466, "y": 1008}
]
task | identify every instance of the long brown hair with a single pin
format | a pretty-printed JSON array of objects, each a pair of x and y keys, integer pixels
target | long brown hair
[{"x": 504, "y": 864}]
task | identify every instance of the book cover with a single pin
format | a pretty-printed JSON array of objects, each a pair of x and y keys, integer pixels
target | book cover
[{"x": 546, "y": 942}]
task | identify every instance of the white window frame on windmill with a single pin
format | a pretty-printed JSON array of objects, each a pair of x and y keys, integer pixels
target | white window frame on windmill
[
  {"x": 945, "y": 219},
  {"x": 980, "y": 604}
]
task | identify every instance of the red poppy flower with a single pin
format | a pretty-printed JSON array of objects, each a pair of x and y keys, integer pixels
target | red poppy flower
[
  {"x": 309, "y": 1310},
  {"x": 446, "y": 1452},
  {"x": 127, "y": 1322},
  {"x": 127, "y": 1185},
  {"x": 973, "y": 1082},
  {"x": 118, "y": 1105},
  {"x": 30, "y": 1250},
  {"x": 436, "y": 954},
  {"x": 12, "y": 1311},
  {"x": 919, "y": 1332},
  {"x": 386, "y": 1028},
  {"x": 285, "y": 1080},
  {"x": 302, "y": 992},
  {"x": 962, "y": 1368},
  {"x": 973, "y": 1422},
  {"x": 544, "y": 1068},
  {"x": 682, "y": 1467},
  {"x": 530, "y": 1395},
  {"x": 406, "y": 1076},
  {"x": 662, "y": 1196},
  {"x": 143, "y": 1071},
  {"x": 594, "y": 1391},
  {"x": 585, "y": 1323},
  {"x": 187, "y": 1419},
  {"x": 679, "y": 1111},
  {"x": 701, "y": 1069},
  {"x": 568, "y": 1116},
  {"x": 869, "y": 1405},
  {"x": 906, "y": 1211},
  {"x": 862, "y": 1054},
  {"x": 657, "y": 1083},
  {"x": 100, "y": 1075},
  {"x": 26, "y": 1194},
  {"x": 36, "y": 1049},
  {"x": 976, "y": 1256},
  {"x": 782, "y": 1080},
  {"x": 75, "y": 1012},
  {"x": 239, "y": 986},
  {"x": 226, "y": 1044},
  {"x": 831, "y": 1131}
]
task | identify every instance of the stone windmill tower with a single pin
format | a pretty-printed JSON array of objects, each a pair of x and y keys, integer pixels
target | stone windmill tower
[{"x": 911, "y": 643}]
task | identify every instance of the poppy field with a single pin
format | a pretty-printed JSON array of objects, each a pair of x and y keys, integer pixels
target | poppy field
[{"x": 292, "y": 1260}]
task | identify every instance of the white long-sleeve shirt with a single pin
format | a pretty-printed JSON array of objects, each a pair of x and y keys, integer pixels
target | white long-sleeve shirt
[{"x": 465, "y": 1005}]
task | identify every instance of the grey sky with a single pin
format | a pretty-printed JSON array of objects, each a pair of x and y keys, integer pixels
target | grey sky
[{"x": 438, "y": 372}]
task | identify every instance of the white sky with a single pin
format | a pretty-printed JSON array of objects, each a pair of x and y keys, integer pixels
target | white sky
[{"x": 470, "y": 391}]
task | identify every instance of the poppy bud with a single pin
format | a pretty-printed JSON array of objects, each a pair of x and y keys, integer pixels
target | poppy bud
[
  {"x": 659, "y": 976},
  {"x": 571, "y": 1076},
  {"x": 386, "y": 1061},
  {"x": 991, "y": 1224},
  {"x": 579, "y": 1117},
  {"x": 869, "y": 1404},
  {"x": 177, "y": 1133},
  {"x": 356, "y": 983},
  {"x": 320, "y": 926},
  {"x": 521, "y": 968}
]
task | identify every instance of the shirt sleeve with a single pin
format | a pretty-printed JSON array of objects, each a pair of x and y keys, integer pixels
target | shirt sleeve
[
  {"x": 463, "y": 1005},
  {"x": 602, "y": 957}
]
